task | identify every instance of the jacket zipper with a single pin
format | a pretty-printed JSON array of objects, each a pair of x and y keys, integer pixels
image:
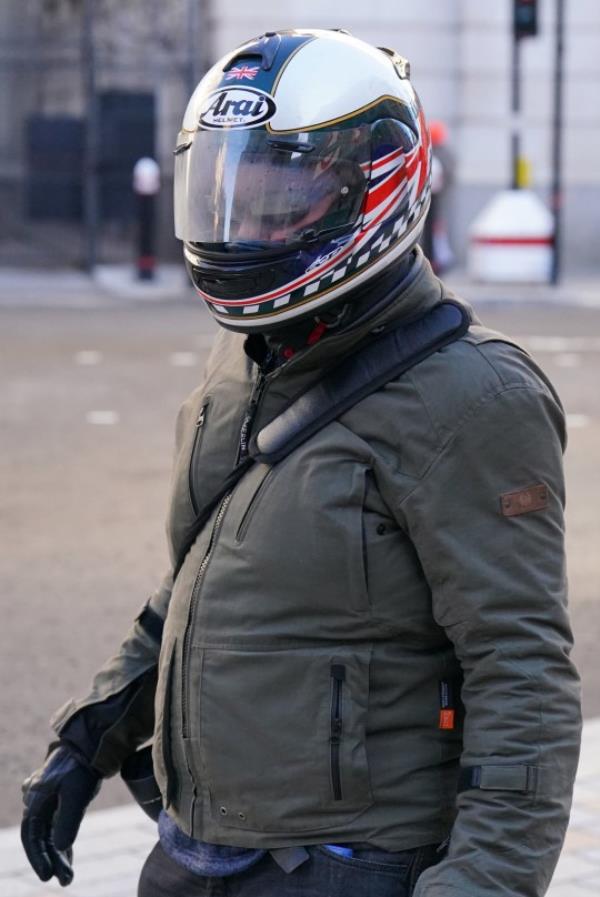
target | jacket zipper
[
  {"x": 200, "y": 422},
  {"x": 242, "y": 453},
  {"x": 251, "y": 410},
  {"x": 338, "y": 674}
]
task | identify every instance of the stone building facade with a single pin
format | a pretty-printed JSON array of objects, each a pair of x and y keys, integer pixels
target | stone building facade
[{"x": 460, "y": 51}]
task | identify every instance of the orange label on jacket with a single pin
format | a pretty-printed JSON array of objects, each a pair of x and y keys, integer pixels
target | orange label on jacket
[{"x": 446, "y": 719}]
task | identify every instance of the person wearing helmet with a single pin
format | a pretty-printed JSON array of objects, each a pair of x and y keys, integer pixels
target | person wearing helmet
[{"x": 356, "y": 673}]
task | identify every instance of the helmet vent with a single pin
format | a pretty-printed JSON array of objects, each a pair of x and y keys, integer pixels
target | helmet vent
[
  {"x": 263, "y": 48},
  {"x": 401, "y": 64}
]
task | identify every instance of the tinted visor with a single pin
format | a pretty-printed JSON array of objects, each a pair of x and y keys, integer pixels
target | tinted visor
[{"x": 240, "y": 186}]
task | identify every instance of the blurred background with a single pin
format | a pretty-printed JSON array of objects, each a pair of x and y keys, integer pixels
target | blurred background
[
  {"x": 89, "y": 86},
  {"x": 101, "y": 339}
]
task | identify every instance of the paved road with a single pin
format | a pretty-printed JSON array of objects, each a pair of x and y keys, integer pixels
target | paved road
[{"x": 88, "y": 398}]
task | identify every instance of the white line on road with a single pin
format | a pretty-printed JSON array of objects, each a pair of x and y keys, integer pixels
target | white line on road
[
  {"x": 567, "y": 360},
  {"x": 102, "y": 418},
  {"x": 577, "y": 421},
  {"x": 183, "y": 359},
  {"x": 88, "y": 357},
  {"x": 560, "y": 343}
]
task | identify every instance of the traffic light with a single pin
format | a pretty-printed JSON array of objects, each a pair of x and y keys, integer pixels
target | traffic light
[{"x": 525, "y": 18}]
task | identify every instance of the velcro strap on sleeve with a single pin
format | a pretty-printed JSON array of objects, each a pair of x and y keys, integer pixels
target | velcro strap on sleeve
[
  {"x": 151, "y": 622},
  {"x": 498, "y": 778}
]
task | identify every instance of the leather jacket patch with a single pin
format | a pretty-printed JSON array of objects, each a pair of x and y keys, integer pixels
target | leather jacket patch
[{"x": 534, "y": 498}]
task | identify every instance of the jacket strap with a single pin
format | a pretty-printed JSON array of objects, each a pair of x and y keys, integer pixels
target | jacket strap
[
  {"x": 498, "y": 778},
  {"x": 362, "y": 373},
  {"x": 151, "y": 622}
]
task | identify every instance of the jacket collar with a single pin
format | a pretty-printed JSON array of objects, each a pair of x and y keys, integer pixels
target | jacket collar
[{"x": 419, "y": 291}]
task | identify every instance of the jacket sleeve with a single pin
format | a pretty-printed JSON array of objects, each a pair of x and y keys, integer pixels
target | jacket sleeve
[
  {"x": 117, "y": 715},
  {"x": 492, "y": 550}
]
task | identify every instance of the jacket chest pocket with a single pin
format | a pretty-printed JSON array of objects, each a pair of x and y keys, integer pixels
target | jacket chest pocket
[
  {"x": 282, "y": 737},
  {"x": 267, "y": 474}
]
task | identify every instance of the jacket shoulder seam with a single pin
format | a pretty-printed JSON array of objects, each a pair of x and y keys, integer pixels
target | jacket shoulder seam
[
  {"x": 501, "y": 383},
  {"x": 490, "y": 364},
  {"x": 486, "y": 399}
]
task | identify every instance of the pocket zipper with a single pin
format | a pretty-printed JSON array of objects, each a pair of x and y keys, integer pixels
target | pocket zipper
[
  {"x": 338, "y": 675},
  {"x": 200, "y": 422},
  {"x": 249, "y": 512}
]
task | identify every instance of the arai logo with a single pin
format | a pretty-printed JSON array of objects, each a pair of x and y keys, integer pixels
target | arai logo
[{"x": 237, "y": 107}]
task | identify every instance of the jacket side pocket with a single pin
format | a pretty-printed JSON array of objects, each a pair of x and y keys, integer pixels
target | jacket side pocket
[{"x": 162, "y": 748}]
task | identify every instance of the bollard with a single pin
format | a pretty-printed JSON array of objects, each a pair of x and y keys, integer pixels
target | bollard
[
  {"x": 146, "y": 184},
  {"x": 511, "y": 240}
]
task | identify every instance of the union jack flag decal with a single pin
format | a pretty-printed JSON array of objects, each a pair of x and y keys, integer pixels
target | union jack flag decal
[{"x": 242, "y": 71}]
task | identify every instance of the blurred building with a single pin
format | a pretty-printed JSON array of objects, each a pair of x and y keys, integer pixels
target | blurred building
[
  {"x": 459, "y": 50},
  {"x": 119, "y": 72}
]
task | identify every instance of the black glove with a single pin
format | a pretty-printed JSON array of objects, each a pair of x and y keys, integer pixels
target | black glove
[{"x": 56, "y": 797}]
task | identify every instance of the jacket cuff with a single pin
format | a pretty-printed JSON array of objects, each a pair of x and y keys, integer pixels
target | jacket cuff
[{"x": 106, "y": 732}]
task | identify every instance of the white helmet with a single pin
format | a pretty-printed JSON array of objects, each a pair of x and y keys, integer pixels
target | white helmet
[{"x": 302, "y": 170}]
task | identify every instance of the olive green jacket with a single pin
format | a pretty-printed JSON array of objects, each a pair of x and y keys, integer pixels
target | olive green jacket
[{"x": 386, "y": 603}]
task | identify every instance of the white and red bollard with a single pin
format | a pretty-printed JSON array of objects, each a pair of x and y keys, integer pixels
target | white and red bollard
[{"x": 511, "y": 240}]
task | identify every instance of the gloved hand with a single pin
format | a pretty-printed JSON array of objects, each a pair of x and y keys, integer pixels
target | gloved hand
[{"x": 56, "y": 797}]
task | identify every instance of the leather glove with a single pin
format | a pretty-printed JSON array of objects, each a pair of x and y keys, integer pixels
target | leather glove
[{"x": 56, "y": 797}]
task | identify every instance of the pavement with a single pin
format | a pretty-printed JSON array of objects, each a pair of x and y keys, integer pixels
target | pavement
[
  {"x": 23, "y": 287},
  {"x": 580, "y": 291},
  {"x": 112, "y": 845},
  {"x": 109, "y": 285}
]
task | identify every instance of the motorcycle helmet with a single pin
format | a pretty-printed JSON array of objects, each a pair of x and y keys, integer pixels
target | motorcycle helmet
[{"x": 302, "y": 170}]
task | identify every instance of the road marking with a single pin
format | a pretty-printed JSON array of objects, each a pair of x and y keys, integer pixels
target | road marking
[
  {"x": 183, "y": 359},
  {"x": 102, "y": 418},
  {"x": 88, "y": 357},
  {"x": 567, "y": 360},
  {"x": 577, "y": 421},
  {"x": 561, "y": 343}
]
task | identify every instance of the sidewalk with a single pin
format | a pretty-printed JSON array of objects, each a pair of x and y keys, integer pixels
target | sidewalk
[
  {"x": 110, "y": 285},
  {"x": 113, "y": 844},
  {"x": 581, "y": 291},
  {"x": 117, "y": 284}
]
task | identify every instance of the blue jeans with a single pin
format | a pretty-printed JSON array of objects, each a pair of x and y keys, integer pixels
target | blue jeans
[{"x": 369, "y": 873}]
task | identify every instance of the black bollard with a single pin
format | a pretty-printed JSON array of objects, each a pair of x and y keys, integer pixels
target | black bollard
[{"x": 146, "y": 184}]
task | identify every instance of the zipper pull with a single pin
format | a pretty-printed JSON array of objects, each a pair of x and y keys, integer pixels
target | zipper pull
[
  {"x": 201, "y": 416},
  {"x": 249, "y": 417},
  {"x": 336, "y": 731},
  {"x": 338, "y": 672},
  {"x": 443, "y": 845},
  {"x": 245, "y": 434}
]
